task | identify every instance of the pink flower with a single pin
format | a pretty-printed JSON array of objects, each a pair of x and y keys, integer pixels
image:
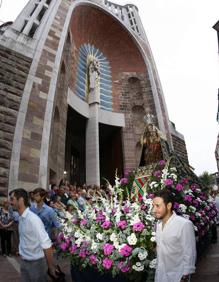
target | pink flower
[
  {"x": 123, "y": 266},
  {"x": 168, "y": 182},
  {"x": 176, "y": 206},
  {"x": 179, "y": 187},
  {"x": 73, "y": 249},
  {"x": 93, "y": 259},
  {"x": 188, "y": 198},
  {"x": 138, "y": 227},
  {"x": 125, "y": 250},
  {"x": 185, "y": 180},
  {"x": 64, "y": 246},
  {"x": 108, "y": 249},
  {"x": 74, "y": 221},
  {"x": 107, "y": 263},
  {"x": 106, "y": 224},
  {"x": 83, "y": 222},
  {"x": 82, "y": 254},
  {"x": 157, "y": 173},
  {"x": 126, "y": 209},
  {"x": 162, "y": 163},
  {"x": 123, "y": 181},
  {"x": 122, "y": 224}
]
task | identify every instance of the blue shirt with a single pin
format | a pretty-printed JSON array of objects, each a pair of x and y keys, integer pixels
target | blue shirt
[
  {"x": 48, "y": 217},
  {"x": 33, "y": 236}
]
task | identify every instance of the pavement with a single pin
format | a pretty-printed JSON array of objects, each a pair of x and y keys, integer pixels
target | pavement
[{"x": 207, "y": 267}]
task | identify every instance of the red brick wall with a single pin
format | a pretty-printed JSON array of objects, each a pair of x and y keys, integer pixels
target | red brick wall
[{"x": 90, "y": 25}]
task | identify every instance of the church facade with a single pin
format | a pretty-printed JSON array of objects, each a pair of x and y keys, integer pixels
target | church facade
[{"x": 78, "y": 81}]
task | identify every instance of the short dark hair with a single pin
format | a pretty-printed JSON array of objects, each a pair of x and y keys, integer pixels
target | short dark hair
[
  {"x": 41, "y": 191},
  {"x": 21, "y": 193},
  {"x": 166, "y": 195}
]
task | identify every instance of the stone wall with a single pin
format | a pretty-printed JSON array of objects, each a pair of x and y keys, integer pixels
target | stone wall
[
  {"x": 180, "y": 148},
  {"x": 14, "y": 70},
  {"x": 136, "y": 100}
]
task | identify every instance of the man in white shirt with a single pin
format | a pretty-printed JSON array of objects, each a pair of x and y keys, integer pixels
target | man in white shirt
[
  {"x": 175, "y": 237},
  {"x": 35, "y": 246}
]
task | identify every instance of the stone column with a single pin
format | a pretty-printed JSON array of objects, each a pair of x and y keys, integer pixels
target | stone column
[{"x": 92, "y": 146}]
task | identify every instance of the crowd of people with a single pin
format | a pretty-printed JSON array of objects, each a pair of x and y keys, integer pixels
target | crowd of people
[
  {"x": 40, "y": 214},
  {"x": 50, "y": 206}
]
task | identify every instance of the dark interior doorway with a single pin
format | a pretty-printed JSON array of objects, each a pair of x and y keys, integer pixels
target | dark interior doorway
[
  {"x": 75, "y": 147},
  {"x": 111, "y": 156}
]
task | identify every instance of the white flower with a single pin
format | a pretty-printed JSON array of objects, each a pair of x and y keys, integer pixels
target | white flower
[
  {"x": 143, "y": 255},
  {"x": 153, "y": 183},
  {"x": 182, "y": 208},
  {"x": 153, "y": 239},
  {"x": 135, "y": 219},
  {"x": 78, "y": 234},
  {"x": 116, "y": 244},
  {"x": 138, "y": 268},
  {"x": 132, "y": 239},
  {"x": 149, "y": 217},
  {"x": 99, "y": 236},
  {"x": 153, "y": 263},
  {"x": 173, "y": 169},
  {"x": 113, "y": 237},
  {"x": 78, "y": 242},
  {"x": 94, "y": 246}
]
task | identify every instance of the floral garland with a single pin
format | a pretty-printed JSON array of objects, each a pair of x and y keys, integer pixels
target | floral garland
[{"x": 116, "y": 234}]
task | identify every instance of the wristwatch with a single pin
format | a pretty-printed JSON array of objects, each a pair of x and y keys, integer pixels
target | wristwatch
[{"x": 185, "y": 278}]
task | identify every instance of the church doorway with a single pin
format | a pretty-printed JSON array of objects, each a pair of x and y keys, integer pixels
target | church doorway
[
  {"x": 111, "y": 156},
  {"x": 75, "y": 147}
]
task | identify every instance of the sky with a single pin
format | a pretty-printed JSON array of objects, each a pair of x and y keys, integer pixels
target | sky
[{"x": 185, "y": 49}]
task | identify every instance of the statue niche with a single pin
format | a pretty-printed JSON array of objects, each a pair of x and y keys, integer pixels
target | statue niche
[
  {"x": 93, "y": 80},
  {"x": 151, "y": 145}
]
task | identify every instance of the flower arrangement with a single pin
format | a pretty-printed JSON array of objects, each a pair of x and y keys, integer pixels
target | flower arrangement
[
  {"x": 113, "y": 235},
  {"x": 116, "y": 233},
  {"x": 191, "y": 201}
]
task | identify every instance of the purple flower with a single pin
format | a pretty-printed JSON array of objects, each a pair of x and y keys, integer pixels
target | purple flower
[
  {"x": 73, "y": 249},
  {"x": 179, "y": 187},
  {"x": 100, "y": 217},
  {"x": 188, "y": 198},
  {"x": 126, "y": 173},
  {"x": 107, "y": 263},
  {"x": 126, "y": 209},
  {"x": 138, "y": 227},
  {"x": 93, "y": 259},
  {"x": 74, "y": 221},
  {"x": 195, "y": 203},
  {"x": 168, "y": 182},
  {"x": 82, "y": 254},
  {"x": 83, "y": 222},
  {"x": 176, "y": 206},
  {"x": 108, "y": 249},
  {"x": 162, "y": 163},
  {"x": 123, "y": 181},
  {"x": 150, "y": 196},
  {"x": 64, "y": 246},
  {"x": 106, "y": 224},
  {"x": 123, "y": 266},
  {"x": 157, "y": 173},
  {"x": 122, "y": 224},
  {"x": 125, "y": 250},
  {"x": 185, "y": 180}
]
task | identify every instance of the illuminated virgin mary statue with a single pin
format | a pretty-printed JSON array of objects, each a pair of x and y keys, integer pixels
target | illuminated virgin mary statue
[{"x": 93, "y": 80}]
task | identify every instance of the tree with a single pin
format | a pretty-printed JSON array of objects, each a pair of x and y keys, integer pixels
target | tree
[{"x": 207, "y": 179}]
